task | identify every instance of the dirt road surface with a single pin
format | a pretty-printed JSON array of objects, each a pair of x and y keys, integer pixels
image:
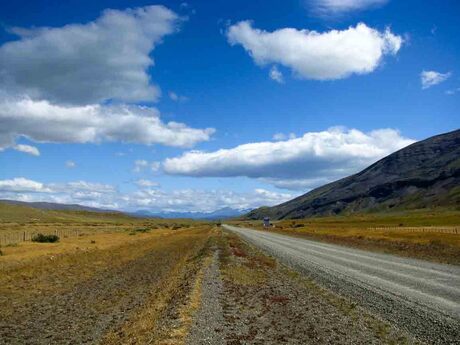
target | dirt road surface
[{"x": 419, "y": 296}]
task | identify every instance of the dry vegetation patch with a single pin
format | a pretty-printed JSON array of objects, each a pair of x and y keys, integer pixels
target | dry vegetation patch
[
  {"x": 119, "y": 289},
  {"x": 167, "y": 316}
]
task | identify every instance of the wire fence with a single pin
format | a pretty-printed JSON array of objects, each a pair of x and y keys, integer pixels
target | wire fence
[
  {"x": 7, "y": 238},
  {"x": 444, "y": 229}
]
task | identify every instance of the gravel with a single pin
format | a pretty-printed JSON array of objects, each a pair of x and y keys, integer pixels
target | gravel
[
  {"x": 209, "y": 320},
  {"x": 419, "y": 297}
]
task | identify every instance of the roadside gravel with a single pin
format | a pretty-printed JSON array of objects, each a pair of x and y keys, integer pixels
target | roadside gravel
[
  {"x": 209, "y": 319},
  {"x": 420, "y": 297},
  {"x": 247, "y": 298}
]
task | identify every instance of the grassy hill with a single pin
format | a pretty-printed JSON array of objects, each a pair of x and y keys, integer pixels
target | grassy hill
[{"x": 10, "y": 213}]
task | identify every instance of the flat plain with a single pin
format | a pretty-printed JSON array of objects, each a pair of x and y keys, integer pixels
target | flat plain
[{"x": 122, "y": 280}]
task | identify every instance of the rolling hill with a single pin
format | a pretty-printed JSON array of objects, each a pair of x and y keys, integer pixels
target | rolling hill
[
  {"x": 425, "y": 174},
  {"x": 22, "y": 213},
  {"x": 42, "y": 205}
]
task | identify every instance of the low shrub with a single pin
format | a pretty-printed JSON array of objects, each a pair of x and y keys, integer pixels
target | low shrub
[
  {"x": 142, "y": 230},
  {"x": 45, "y": 238}
]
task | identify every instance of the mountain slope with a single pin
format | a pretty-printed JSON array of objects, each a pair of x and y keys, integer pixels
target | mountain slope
[
  {"x": 42, "y": 205},
  {"x": 423, "y": 175},
  {"x": 22, "y": 213}
]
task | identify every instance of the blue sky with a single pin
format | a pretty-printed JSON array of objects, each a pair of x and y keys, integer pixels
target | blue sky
[{"x": 273, "y": 98}]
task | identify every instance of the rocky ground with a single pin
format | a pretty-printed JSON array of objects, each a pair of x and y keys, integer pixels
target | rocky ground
[{"x": 248, "y": 298}]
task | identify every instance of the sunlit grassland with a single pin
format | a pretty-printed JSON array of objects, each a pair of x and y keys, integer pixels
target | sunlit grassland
[
  {"x": 18, "y": 222},
  {"x": 107, "y": 243}
]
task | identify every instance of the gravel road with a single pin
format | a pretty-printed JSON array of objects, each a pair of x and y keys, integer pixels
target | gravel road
[{"x": 419, "y": 296}]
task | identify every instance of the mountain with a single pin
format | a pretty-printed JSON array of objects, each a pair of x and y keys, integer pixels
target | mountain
[
  {"x": 55, "y": 206},
  {"x": 425, "y": 174},
  {"x": 222, "y": 213}
]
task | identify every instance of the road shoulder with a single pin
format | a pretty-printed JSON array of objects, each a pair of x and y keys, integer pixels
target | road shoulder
[{"x": 263, "y": 302}]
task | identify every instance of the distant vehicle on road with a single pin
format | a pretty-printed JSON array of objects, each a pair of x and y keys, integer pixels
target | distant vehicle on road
[{"x": 266, "y": 222}]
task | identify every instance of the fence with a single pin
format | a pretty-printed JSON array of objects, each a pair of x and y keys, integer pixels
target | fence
[
  {"x": 22, "y": 236},
  {"x": 444, "y": 229}
]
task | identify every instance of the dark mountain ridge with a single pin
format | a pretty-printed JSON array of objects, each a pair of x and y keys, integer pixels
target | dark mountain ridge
[{"x": 425, "y": 174}]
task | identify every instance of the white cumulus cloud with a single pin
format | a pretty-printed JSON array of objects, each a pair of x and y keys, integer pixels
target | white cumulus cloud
[
  {"x": 31, "y": 150},
  {"x": 193, "y": 200},
  {"x": 88, "y": 63},
  {"x": 157, "y": 200},
  {"x": 42, "y": 121},
  {"x": 141, "y": 165},
  {"x": 146, "y": 183},
  {"x": 337, "y": 7},
  {"x": 314, "y": 157},
  {"x": 21, "y": 184},
  {"x": 276, "y": 75},
  {"x": 334, "y": 54},
  {"x": 431, "y": 78}
]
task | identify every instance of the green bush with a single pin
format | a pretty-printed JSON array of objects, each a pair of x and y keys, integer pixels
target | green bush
[{"x": 45, "y": 238}]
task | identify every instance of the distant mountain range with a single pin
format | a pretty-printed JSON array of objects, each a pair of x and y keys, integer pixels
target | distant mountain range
[
  {"x": 425, "y": 174},
  {"x": 223, "y": 213}
]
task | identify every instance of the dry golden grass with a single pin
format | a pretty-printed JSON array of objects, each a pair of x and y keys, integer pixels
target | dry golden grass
[
  {"x": 15, "y": 221},
  {"x": 22, "y": 253},
  {"x": 57, "y": 267},
  {"x": 111, "y": 248},
  {"x": 243, "y": 275},
  {"x": 177, "y": 299},
  {"x": 32, "y": 270},
  {"x": 178, "y": 335},
  {"x": 245, "y": 269}
]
